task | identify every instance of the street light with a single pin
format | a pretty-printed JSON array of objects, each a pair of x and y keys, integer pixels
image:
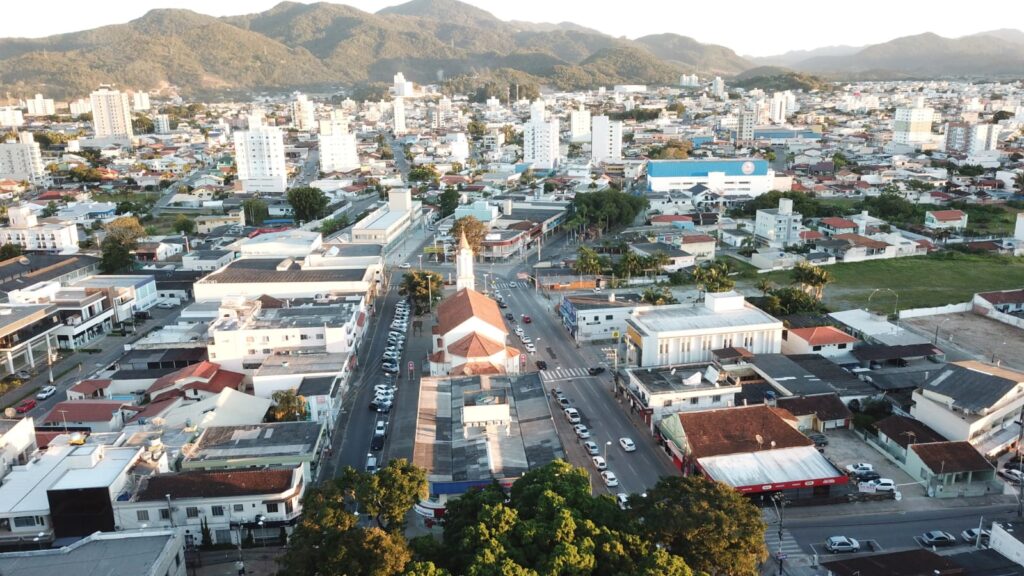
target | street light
[
  {"x": 895, "y": 308},
  {"x": 606, "y": 445}
]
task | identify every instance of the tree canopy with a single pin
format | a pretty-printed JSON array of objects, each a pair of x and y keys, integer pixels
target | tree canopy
[
  {"x": 608, "y": 208},
  {"x": 588, "y": 261},
  {"x": 184, "y": 225},
  {"x": 308, "y": 203},
  {"x": 714, "y": 277},
  {"x": 122, "y": 236},
  {"x": 671, "y": 150},
  {"x": 474, "y": 230},
  {"x": 423, "y": 286},
  {"x": 255, "y": 211},
  {"x": 448, "y": 201},
  {"x": 289, "y": 406}
]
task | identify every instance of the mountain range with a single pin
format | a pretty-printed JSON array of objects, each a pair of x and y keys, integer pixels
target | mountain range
[{"x": 324, "y": 45}]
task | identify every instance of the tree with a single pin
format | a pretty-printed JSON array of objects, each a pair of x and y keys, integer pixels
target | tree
[
  {"x": 474, "y": 230},
  {"x": 658, "y": 296},
  {"x": 122, "y": 237},
  {"x": 426, "y": 173},
  {"x": 448, "y": 201},
  {"x": 765, "y": 286},
  {"x": 423, "y": 286},
  {"x": 207, "y": 536},
  {"x": 8, "y": 251},
  {"x": 715, "y": 528},
  {"x": 142, "y": 125},
  {"x": 476, "y": 129},
  {"x": 608, "y": 208},
  {"x": 588, "y": 261},
  {"x": 387, "y": 495},
  {"x": 308, "y": 204},
  {"x": 714, "y": 277},
  {"x": 184, "y": 225},
  {"x": 812, "y": 279},
  {"x": 331, "y": 225},
  {"x": 49, "y": 210},
  {"x": 289, "y": 406},
  {"x": 630, "y": 264},
  {"x": 672, "y": 150},
  {"x": 255, "y": 211}
]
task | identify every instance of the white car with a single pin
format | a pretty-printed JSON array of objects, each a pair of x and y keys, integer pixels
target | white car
[
  {"x": 591, "y": 448},
  {"x": 573, "y": 415},
  {"x": 530, "y": 348},
  {"x": 45, "y": 392},
  {"x": 623, "y": 499},
  {"x": 599, "y": 463},
  {"x": 883, "y": 485},
  {"x": 609, "y": 478},
  {"x": 525, "y": 339},
  {"x": 627, "y": 444},
  {"x": 405, "y": 265},
  {"x": 381, "y": 428},
  {"x": 582, "y": 431},
  {"x": 836, "y": 544},
  {"x": 859, "y": 467}
]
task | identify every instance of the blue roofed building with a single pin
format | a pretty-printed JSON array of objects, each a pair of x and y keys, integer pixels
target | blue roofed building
[{"x": 742, "y": 176}]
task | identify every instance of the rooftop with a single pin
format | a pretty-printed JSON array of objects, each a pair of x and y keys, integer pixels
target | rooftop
[
  {"x": 215, "y": 483},
  {"x": 332, "y": 315},
  {"x": 466, "y": 304},
  {"x": 669, "y": 379},
  {"x": 686, "y": 317},
  {"x": 778, "y": 466},
  {"x": 701, "y": 168},
  {"x": 271, "y": 440},
  {"x": 951, "y": 457},
  {"x": 906, "y": 431},
  {"x": 734, "y": 430},
  {"x": 261, "y": 270},
  {"x": 970, "y": 388},
  {"x": 310, "y": 361},
  {"x": 130, "y": 553}
]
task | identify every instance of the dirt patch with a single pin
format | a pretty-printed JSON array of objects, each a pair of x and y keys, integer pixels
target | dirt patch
[{"x": 982, "y": 337}]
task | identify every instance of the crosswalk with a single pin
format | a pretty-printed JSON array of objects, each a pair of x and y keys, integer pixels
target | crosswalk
[
  {"x": 789, "y": 544},
  {"x": 556, "y": 374}
]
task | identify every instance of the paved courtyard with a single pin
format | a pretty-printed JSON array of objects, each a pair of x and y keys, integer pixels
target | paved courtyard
[{"x": 981, "y": 337}]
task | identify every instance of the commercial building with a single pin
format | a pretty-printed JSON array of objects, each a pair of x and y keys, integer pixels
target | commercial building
[
  {"x": 259, "y": 154},
  {"x": 338, "y": 152},
  {"x": 51, "y": 237},
  {"x": 540, "y": 139},
  {"x": 112, "y": 116},
  {"x": 316, "y": 277},
  {"x": 606, "y": 139},
  {"x": 274, "y": 445},
  {"x": 687, "y": 333},
  {"x": 778, "y": 227},
  {"x": 590, "y": 317},
  {"x": 655, "y": 393},
  {"x": 27, "y": 335},
  {"x": 85, "y": 315},
  {"x": 126, "y": 293},
  {"x": 40, "y": 106},
  {"x": 134, "y": 553},
  {"x": 21, "y": 159},
  {"x": 302, "y": 112},
  {"x": 11, "y": 117},
  {"x": 387, "y": 224},
  {"x": 746, "y": 177},
  {"x": 140, "y": 100},
  {"x": 745, "y": 122}
]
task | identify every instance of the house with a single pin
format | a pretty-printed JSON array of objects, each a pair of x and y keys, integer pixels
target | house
[
  {"x": 87, "y": 415},
  {"x": 677, "y": 259},
  {"x": 896, "y": 433},
  {"x": 469, "y": 337},
  {"x": 832, "y": 225},
  {"x": 974, "y": 402},
  {"x": 951, "y": 469},
  {"x": 702, "y": 246},
  {"x": 945, "y": 220},
  {"x": 825, "y": 340},
  {"x": 195, "y": 382},
  {"x": 817, "y": 412},
  {"x": 271, "y": 445}
]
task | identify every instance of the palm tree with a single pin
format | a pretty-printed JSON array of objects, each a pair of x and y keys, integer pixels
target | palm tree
[
  {"x": 289, "y": 406},
  {"x": 765, "y": 286},
  {"x": 658, "y": 296},
  {"x": 630, "y": 264},
  {"x": 812, "y": 279},
  {"x": 588, "y": 261}
]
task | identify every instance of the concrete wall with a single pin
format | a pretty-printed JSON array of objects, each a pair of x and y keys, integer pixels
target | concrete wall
[{"x": 936, "y": 311}]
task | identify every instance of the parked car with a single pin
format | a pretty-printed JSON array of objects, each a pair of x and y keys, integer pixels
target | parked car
[
  {"x": 23, "y": 374},
  {"x": 609, "y": 478},
  {"x": 938, "y": 538},
  {"x": 573, "y": 415},
  {"x": 623, "y": 499},
  {"x": 599, "y": 463},
  {"x": 390, "y": 368},
  {"x": 971, "y": 535},
  {"x": 557, "y": 393},
  {"x": 627, "y": 444},
  {"x": 381, "y": 428},
  {"x": 859, "y": 467},
  {"x": 1012, "y": 475},
  {"x": 819, "y": 439},
  {"x": 527, "y": 319},
  {"x": 45, "y": 392},
  {"x": 405, "y": 265},
  {"x": 564, "y": 402},
  {"x": 377, "y": 444},
  {"x": 26, "y": 406},
  {"x": 591, "y": 447},
  {"x": 582, "y": 431},
  {"x": 596, "y": 370},
  {"x": 867, "y": 476},
  {"x": 510, "y": 317},
  {"x": 883, "y": 485},
  {"x": 836, "y": 544},
  {"x": 371, "y": 464},
  {"x": 501, "y": 304},
  {"x": 541, "y": 365},
  {"x": 1014, "y": 464},
  {"x": 165, "y": 305}
]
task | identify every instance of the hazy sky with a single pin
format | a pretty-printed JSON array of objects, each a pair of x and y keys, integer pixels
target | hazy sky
[{"x": 755, "y": 28}]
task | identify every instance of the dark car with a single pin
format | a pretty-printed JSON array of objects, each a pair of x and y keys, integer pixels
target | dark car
[
  {"x": 377, "y": 443},
  {"x": 510, "y": 317},
  {"x": 867, "y": 476},
  {"x": 596, "y": 370},
  {"x": 541, "y": 365},
  {"x": 818, "y": 438},
  {"x": 527, "y": 319},
  {"x": 501, "y": 304},
  {"x": 1014, "y": 464}
]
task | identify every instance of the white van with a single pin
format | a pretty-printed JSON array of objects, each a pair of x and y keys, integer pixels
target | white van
[{"x": 371, "y": 464}]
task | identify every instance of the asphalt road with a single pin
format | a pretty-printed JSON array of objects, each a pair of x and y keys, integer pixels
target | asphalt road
[{"x": 888, "y": 531}]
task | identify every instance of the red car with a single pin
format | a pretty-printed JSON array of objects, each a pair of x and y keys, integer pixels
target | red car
[
  {"x": 527, "y": 319},
  {"x": 25, "y": 406}
]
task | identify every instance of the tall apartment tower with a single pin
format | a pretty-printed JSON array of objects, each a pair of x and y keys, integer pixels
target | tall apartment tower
[
  {"x": 21, "y": 159},
  {"x": 398, "y": 116},
  {"x": 606, "y": 139},
  {"x": 912, "y": 126},
  {"x": 111, "y": 115},
  {"x": 338, "y": 152},
  {"x": 259, "y": 154},
  {"x": 302, "y": 113},
  {"x": 778, "y": 108},
  {"x": 140, "y": 101},
  {"x": 162, "y": 124},
  {"x": 579, "y": 124},
  {"x": 745, "y": 121},
  {"x": 40, "y": 106},
  {"x": 540, "y": 139},
  {"x": 718, "y": 88}
]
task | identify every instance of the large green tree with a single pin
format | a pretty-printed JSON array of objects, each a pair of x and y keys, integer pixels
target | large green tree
[
  {"x": 255, "y": 211},
  {"x": 448, "y": 201},
  {"x": 122, "y": 237},
  {"x": 423, "y": 286},
  {"x": 608, "y": 208},
  {"x": 308, "y": 203},
  {"x": 184, "y": 225},
  {"x": 387, "y": 495},
  {"x": 588, "y": 261},
  {"x": 715, "y": 528},
  {"x": 474, "y": 230},
  {"x": 10, "y": 251}
]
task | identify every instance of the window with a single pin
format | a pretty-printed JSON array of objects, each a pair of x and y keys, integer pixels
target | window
[
  {"x": 238, "y": 507},
  {"x": 842, "y": 346},
  {"x": 304, "y": 337},
  {"x": 272, "y": 507},
  {"x": 608, "y": 317},
  {"x": 217, "y": 510},
  {"x": 250, "y": 351},
  {"x": 716, "y": 398},
  {"x": 693, "y": 401},
  {"x": 142, "y": 515},
  {"x": 165, "y": 514},
  {"x": 319, "y": 336},
  {"x": 816, "y": 348},
  {"x": 266, "y": 350},
  {"x": 23, "y": 521},
  {"x": 288, "y": 507},
  {"x": 192, "y": 512}
]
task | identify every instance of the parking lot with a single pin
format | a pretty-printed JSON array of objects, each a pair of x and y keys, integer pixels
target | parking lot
[{"x": 845, "y": 447}]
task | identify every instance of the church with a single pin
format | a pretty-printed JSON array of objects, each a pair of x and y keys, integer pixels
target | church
[{"x": 470, "y": 334}]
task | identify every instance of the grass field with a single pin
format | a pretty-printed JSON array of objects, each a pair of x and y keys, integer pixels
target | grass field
[{"x": 921, "y": 282}]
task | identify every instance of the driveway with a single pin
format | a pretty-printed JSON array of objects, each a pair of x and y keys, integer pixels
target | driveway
[{"x": 845, "y": 447}]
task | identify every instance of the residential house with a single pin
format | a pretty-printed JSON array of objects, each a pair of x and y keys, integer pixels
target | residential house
[
  {"x": 832, "y": 226},
  {"x": 817, "y": 412},
  {"x": 677, "y": 259},
  {"x": 945, "y": 220},
  {"x": 825, "y": 340}
]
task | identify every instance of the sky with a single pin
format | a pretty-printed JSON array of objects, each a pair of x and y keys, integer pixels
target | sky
[{"x": 748, "y": 27}]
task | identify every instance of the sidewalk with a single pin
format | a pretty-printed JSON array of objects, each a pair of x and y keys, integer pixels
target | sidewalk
[
  {"x": 898, "y": 506},
  {"x": 258, "y": 562}
]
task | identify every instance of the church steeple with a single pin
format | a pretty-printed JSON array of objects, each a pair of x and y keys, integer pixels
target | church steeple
[{"x": 464, "y": 277}]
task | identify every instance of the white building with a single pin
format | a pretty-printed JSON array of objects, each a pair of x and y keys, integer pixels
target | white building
[
  {"x": 458, "y": 146},
  {"x": 402, "y": 87},
  {"x": 259, "y": 154},
  {"x": 11, "y": 116},
  {"x": 338, "y": 151},
  {"x": 140, "y": 101},
  {"x": 40, "y": 106},
  {"x": 21, "y": 159},
  {"x": 303, "y": 113},
  {"x": 540, "y": 139},
  {"x": 778, "y": 107},
  {"x": 80, "y": 106},
  {"x": 162, "y": 124},
  {"x": 470, "y": 338},
  {"x": 687, "y": 333},
  {"x": 718, "y": 88},
  {"x": 579, "y": 124},
  {"x": 398, "y": 116},
  {"x": 25, "y": 230},
  {"x": 778, "y": 227},
  {"x": 606, "y": 139},
  {"x": 745, "y": 121},
  {"x": 912, "y": 126},
  {"x": 689, "y": 81},
  {"x": 732, "y": 177},
  {"x": 386, "y": 224},
  {"x": 112, "y": 115}
]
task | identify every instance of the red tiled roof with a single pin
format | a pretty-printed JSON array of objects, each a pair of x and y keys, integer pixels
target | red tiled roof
[
  {"x": 82, "y": 411},
  {"x": 466, "y": 304},
  {"x": 947, "y": 215},
  {"x": 838, "y": 223},
  {"x": 221, "y": 380},
  {"x": 858, "y": 240},
  {"x": 212, "y": 484},
  {"x": 157, "y": 407},
  {"x": 474, "y": 368},
  {"x": 695, "y": 239},
  {"x": 823, "y": 335},
  {"x": 1004, "y": 297},
  {"x": 951, "y": 457},
  {"x": 475, "y": 345},
  {"x": 736, "y": 430},
  {"x": 87, "y": 387},
  {"x": 811, "y": 235},
  {"x": 204, "y": 370}
]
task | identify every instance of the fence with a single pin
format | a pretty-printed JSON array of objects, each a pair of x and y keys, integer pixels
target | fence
[{"x": 936, "y": 311}]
